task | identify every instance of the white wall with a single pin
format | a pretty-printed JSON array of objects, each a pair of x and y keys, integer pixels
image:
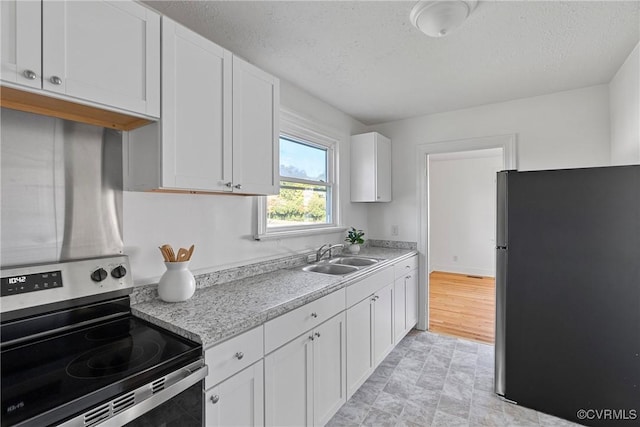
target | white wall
[
  {"x": 462, "y": 201},
  {"x": 221, "y": 226},
  {"x": 562, "y": 130},
  {"x": 624, "y": 93}
]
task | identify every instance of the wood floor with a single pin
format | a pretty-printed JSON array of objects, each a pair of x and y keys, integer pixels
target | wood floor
[{"x": 462, "y": 305}]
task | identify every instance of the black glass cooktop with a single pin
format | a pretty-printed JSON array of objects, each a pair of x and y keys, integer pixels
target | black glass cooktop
[{"x": 57, "y": 377}]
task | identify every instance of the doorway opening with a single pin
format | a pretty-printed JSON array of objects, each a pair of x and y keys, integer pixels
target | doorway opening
[
  {"x": 439, "y": 251},
  {"x": 462, "y": 221}
]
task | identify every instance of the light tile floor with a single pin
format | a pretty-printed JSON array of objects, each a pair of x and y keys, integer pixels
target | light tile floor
[{"x": 436, "y": 380}]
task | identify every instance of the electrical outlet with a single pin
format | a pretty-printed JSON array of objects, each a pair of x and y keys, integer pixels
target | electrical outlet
[
  {"x": 394, "y": 230},
  {"x": 455, "y": 258}
]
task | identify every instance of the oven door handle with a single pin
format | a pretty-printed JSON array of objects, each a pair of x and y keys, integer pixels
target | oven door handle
[{"x": 147, "y": 397}]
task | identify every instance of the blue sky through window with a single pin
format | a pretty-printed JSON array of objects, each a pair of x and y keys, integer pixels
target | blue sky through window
[{"x": 302, "y": 161}]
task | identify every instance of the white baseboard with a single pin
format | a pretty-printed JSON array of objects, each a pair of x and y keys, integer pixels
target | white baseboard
[{"x": 460, "y": 269}]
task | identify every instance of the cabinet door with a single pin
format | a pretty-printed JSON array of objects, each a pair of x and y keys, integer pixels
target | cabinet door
[
  {"x": 399, "y": 309},
  {"x": 103, "y": 51},
  {"x": 329, "y": 368},
  {"x": 289, "y": 384},
  {"x": 21, "y": 38},
  {"x": 196, "y": 111},
  {"x": 411, "y": 298},
  {"x": 256, "y": 104},
  {"x": 383, "y": 323},
  {"x": 383, "y": 169},
  {"x": 359, "y": 344},
  {"x": 238, "y": 401}
]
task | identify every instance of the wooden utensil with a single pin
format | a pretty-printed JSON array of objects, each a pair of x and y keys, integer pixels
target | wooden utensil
[
  {"x": 182, "y": 255},
  {"x": 169, "y": 251},
  {"x": 190, "y": 252},
  {"x": 164, "y": 255}
]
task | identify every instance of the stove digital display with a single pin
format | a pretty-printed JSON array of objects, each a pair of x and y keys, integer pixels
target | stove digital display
[{"x": 31, "y": 283}]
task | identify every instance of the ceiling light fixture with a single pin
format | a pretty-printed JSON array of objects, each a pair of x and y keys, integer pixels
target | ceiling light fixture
[{"x": 437, "y": 18}]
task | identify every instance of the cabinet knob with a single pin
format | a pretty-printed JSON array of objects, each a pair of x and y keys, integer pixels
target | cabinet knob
[
  {"x": 314, "y": 315},
  {"x": 317, "y": 334},
  {"x": 239, "y": 355},
  {"x": 238, "y": 186},
  {"x": 311, "y": 337},
  {"x": 408, "y": 277},
  {"x": 56, "y": 80},
  {"x": 228, "y": 184},
  {"x": 215, "y": 399},
  {"x": 31, "y": 75}
]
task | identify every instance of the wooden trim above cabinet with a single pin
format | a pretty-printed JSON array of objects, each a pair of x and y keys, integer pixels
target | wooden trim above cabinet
[{"x": 30, "y": 102}]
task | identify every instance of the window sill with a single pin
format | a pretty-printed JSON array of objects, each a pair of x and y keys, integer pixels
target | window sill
[{"x": 297, "y": 233}]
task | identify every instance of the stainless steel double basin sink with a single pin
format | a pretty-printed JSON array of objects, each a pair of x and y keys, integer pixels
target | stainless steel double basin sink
[{"x": 341, "y": 265}]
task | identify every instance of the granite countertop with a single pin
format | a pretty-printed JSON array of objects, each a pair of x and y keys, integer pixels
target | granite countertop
[{"x": 222, "y": 311}]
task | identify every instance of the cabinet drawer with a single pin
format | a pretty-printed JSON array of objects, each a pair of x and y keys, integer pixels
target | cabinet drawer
[
  {"x": 233, "y": 355},
  {"x": 403, "y": 267},
  {"x": 356, "y": 292},
  {"x": 288, "y": 326}
]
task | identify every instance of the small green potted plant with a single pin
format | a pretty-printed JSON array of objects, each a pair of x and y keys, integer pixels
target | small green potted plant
[{"x": 354, "y": 237}]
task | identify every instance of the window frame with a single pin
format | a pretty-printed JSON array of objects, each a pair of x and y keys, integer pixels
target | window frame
[{"x": 303, "y": 131}]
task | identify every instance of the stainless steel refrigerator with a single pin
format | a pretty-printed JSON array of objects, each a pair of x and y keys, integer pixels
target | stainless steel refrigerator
[{"x": 568, "y": 293}]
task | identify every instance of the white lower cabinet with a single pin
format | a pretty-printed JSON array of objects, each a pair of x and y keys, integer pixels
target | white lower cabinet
[
  {"x": 305, "y": 381},
  {"x": 411, "y": 298},
  {"x": 406, "y": 297},
  {"x": 329, "y": 369},
  {"x": 237, "y": 401},
  {"x": 370, "y": 336},
  {"x": 359, "y": 344}
]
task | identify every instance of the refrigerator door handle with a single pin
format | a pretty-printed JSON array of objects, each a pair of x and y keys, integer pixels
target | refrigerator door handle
[{"x": 500, "y": 343}]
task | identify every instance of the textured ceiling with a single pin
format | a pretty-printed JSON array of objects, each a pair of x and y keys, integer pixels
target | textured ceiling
[{"x": 366, "y": 59}]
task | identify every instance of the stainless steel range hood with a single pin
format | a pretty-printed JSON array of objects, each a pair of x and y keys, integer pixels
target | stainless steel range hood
[{"x": 61, "y": 189}]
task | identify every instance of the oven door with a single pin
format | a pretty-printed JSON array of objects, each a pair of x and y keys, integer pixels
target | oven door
[
  {"x": 185, "y": 409},
  {"x": 173, "y": 400}
]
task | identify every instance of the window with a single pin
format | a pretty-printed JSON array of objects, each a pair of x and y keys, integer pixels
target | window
[
  {"x": 305, "y": 190},
  {"x": 308, "y": 193}
]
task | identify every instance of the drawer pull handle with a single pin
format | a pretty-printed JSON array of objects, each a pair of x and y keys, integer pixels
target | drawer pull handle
[
  {"x": 215, "y": 399},
  {"x": 239, "y": 355},
  {"x": 407, "y": 266},
  {"x": 56, "y": 80},
  {"x": 317, "y": 334},
  {"x": 314, "y": 315}
]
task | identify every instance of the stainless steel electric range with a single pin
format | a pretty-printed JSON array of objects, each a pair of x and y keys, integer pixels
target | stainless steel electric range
[{"x": 73, "y": 354}]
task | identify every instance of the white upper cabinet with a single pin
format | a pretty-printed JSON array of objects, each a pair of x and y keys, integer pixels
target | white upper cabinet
[
  {"x": 196, "y": 126},
  {"x": 370, "y": 168},
  {"x": 256, "y": 106},
  {"x": 21, "y": 38},
  {"x": 219, "y": 129},
  {"x": 106, "y": 52}
]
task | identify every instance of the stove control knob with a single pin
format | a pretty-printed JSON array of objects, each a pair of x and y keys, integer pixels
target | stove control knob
[
  {"x": 119, "y": 272},
  {"x": 99, "y": 275}
]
